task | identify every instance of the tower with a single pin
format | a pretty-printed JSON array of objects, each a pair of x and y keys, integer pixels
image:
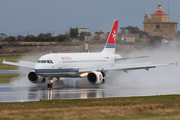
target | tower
[
  {"x": 146, "y": 17},
  {"x": 159, "y": 25}
]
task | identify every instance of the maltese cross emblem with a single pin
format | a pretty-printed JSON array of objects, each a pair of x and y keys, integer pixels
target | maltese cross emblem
[{"x": 114, "y": 35}]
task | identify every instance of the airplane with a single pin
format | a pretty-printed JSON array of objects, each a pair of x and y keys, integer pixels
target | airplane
[{"x": 91, "y": 65}]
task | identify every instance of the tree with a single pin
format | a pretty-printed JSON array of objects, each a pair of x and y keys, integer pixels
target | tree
[
  {"x": 155, "y": 41},
  {"x": 83, "y": 34},
  {"x": 10, "y": 39},
  {"x": 1, "y": 46},
  {"x": 20, "y": 38},
  {"x": 63, "y": 38},
  {"x": 74, "y": 33},
  {"x": 50, "y": 39},
  {"x": 40, "y": 38},
  {"x": 134, "y": 30},
  {"x": 123, "y": 30},
  {"x": 3, "y": 35},
  {"x": 45, "y": 37},
  {"x": 30, "y": 38}
]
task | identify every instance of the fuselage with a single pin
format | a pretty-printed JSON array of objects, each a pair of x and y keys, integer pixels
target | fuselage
[{"x": 68, "y": 64}]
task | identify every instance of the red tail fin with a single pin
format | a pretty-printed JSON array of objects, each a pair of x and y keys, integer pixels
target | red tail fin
[{"x": 111, "y": 41}]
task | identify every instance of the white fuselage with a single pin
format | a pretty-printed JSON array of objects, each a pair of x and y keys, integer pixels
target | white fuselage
[{"x": 68, "y": 64}]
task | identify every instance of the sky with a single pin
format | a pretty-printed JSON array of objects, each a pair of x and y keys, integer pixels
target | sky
[{"x": 32, "y": 17}]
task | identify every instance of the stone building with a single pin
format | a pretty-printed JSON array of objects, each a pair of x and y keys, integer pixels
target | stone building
[
  {"x": 159, "y": 25},
  {"x": 128, "y": 39},
  {"x": 101, "y": 35}
]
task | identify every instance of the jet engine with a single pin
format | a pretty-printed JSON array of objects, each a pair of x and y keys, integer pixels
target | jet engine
[
  {"x": 95, "y": 77},
  {"x": 34, "y": 78}
]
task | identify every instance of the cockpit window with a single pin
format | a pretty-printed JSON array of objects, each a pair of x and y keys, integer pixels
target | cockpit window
[
  {"x": 51, "y": 61},
  {"x": 43, "y": 61},
  {"x": 48, "y": 61}
]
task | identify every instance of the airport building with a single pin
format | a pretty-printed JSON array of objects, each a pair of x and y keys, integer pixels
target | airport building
[{"x": 159, "y": 25}]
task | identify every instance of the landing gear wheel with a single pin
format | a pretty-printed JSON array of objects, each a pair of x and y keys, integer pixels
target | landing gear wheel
[{"x": 49, "y": 85}]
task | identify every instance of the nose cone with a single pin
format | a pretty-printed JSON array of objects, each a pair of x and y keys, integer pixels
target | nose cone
[
  {"x": 41, "y": 66},
  {"x": 36, "y": 66}
]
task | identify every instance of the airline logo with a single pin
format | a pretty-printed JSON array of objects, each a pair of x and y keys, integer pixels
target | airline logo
[
  {"x": 66, "y": 58},
  {"x": 111, "y": 43},
  {"x": 114, "y": 35}
]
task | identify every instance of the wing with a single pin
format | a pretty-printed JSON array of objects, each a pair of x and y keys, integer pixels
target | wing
[
  {"x": 126, "y": 58},
  {"x": 126, "y": 67},
  {"x": 26, "y": 64}
]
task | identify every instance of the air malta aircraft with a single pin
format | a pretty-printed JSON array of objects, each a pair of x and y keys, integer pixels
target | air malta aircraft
[{"x": 90, "y": 65}]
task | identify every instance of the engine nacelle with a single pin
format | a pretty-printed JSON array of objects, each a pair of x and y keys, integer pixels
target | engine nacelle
[
  {"x": 95, "y": 77},
  {"x": 34, "y": 78}
]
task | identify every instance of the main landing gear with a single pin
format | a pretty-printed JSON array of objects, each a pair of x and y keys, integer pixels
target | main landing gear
[{"x": 50, "y": 84}]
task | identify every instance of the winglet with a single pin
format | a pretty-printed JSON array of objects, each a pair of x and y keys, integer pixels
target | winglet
[
  {"x": 4, "y": 60},
  {"x": 174, "y": 63},
  {"x": 177, "y": 63}
]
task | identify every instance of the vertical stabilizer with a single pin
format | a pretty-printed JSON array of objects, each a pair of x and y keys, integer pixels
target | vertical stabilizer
[{"x": 111, "y": 41}]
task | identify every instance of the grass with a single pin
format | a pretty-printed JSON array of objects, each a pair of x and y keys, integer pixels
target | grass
[
  {"x": 6, "y": 78},
  {"x": 153, "y": 107}
]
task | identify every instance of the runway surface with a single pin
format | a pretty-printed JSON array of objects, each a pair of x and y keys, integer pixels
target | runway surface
[
  {"x": 9, "y": 71},
  {"x": 11, "y": 93},
  {"x": 118, "y": 84}
]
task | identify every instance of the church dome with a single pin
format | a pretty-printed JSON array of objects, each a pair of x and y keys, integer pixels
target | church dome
[{"x": 159, "y": 10}]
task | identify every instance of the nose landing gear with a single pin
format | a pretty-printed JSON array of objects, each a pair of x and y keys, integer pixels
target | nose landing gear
[{"x": 50, "y": 84}]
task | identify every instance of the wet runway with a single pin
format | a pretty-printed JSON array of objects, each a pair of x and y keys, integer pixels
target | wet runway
[
  {"x": 118, "y": 84},
  {"x": 158, "y": 81},
  {"x": 10, "y": 93},
  {"x": 9, "y": 71}
]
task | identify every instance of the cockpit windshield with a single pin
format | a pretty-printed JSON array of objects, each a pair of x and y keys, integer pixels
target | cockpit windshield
[{"x": 45, "y": 61}]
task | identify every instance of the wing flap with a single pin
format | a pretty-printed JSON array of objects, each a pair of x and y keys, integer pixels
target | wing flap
[{"x": 26, "y": 64}]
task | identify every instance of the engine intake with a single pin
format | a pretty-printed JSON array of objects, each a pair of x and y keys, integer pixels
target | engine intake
[
  {"x": 34, "y": 78},
  {"x": 95, "y": 77}
]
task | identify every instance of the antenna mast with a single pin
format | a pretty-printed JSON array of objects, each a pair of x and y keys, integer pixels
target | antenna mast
[{"x": 168, "y": 8}]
